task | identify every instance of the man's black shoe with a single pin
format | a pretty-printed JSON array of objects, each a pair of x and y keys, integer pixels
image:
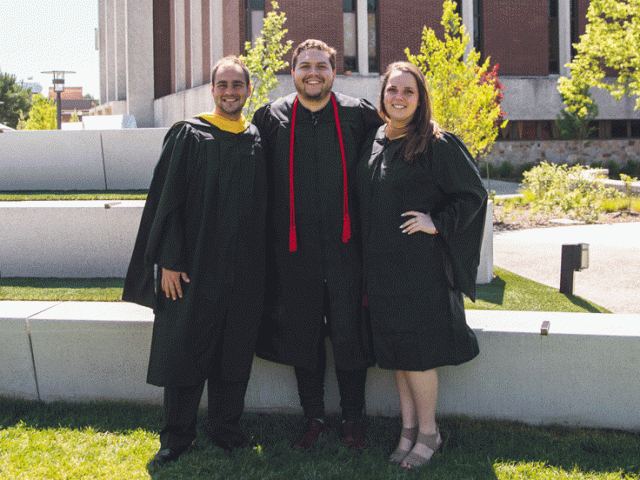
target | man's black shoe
[{"x": 164, "y": 456}]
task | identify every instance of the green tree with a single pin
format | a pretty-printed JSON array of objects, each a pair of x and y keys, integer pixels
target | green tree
[
  {"x": 574, "y": 123},
  {"x": 610, "y": 42},
  {"x": 74, "y": 117},
  {"x": 13, "y": 99},
  {"x": 465, "y": 102},
  {"x": 264, "y": 59},
  {"x": 42, "y": 115}
]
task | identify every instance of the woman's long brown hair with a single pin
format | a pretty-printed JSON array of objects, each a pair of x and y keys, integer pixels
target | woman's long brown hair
[{"x": 423, "y": 127}]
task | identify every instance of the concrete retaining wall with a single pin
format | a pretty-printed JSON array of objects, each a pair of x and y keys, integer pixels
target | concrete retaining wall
[
  {"x": 564, "y": 152},
  {"x": 124, "y": 159},
  {"x": 67, "y": 239},
  {"x": 79, "y": 160},
  {"x": 584, "y": 373},
  {"x": 95, "y": 239}
]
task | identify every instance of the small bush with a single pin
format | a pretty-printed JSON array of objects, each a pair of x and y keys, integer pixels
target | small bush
[
  {"x": 614, "y": 169},
  {"x": 632, "y": 168},
  {"x": 506, "y": 170},
  {"x": 567, "y": 190},
  {"x": 487, "y": 166}
]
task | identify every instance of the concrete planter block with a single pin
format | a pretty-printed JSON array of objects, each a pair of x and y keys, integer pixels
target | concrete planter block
[
  {"x": 51, "y": 160},
  {"x": 67, "y": 239},
  {"x": 102, "y": 359},
  {"x": 485, "y": 268},
  {"x": 17, "y": 376},
  {"x": 130, "y": 156},
  {"x": 583, "y": 373}
]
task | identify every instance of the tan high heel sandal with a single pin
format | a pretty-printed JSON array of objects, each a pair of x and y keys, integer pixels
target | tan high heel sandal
[
  {"x": 432, "y": 442},
  {"x": 399, "y": 454}
]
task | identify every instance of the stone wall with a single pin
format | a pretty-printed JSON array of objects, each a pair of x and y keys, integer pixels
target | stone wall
[{"x": 521, "y": 152}]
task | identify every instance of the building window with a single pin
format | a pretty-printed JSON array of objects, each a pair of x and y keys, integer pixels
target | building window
[
  {"x": 634, "y": 128},
  {"x": 554, "y": 38},
  {"x": 575, "y": 26},
  {"x": 350, "y": 35},
  {"x": 477, "y": 25},
  {"x": 619, "y": 129},
  {"x": 255, "y": 19},
  {"x": 372, "y": 17}
]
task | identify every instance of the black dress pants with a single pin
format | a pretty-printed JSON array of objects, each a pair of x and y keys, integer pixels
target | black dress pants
[
  {"x": 226, "y": 403},
  {"x": 351, "y": 383}
]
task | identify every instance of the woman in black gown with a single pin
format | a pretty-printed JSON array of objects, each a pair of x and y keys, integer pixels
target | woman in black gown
[{"x": 423, "y": 206}]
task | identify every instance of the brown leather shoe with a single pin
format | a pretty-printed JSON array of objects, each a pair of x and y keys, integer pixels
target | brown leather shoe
[
  {"x": 353, "y": 435},
  {"x": 313, "y": 431}
]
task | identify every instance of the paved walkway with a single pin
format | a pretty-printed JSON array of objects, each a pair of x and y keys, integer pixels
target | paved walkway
[{"x": 613, "y": 277}]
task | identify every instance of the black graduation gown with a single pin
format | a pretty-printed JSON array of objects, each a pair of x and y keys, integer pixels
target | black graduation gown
[
  {"x": 291, "y": 328},
  {"x": 204, "y": 215},
  {"x": 414, "y": 282}
]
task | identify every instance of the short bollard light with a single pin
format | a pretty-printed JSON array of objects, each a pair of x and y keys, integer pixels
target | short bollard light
[{"x": 574, "y": 259}]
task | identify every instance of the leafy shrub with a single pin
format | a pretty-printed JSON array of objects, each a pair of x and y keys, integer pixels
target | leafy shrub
[
  {"x": 614, "y": 169},
  {"x": 525, "y": 167},
  {"x": 632, "y": 168},
  {"x": 506, "y": 170},
  {"x": 487, "y": 166},
  {"x": 568, "y": 190}
]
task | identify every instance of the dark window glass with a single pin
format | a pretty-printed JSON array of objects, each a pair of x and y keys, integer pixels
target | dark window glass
[
  {"x": 635, "y": 128},
  {"x": 350, "y": 26},
  {"x": 618, "y": 129},
  {"x": 575, "y": 26},
  {"x": 554, "y": 38},
  {"x": 372, "y": 18},
  {"x": 477, "y": 25}
]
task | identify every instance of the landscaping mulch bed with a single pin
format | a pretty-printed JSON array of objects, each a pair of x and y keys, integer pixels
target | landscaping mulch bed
[{"x": 519, "y": 219}]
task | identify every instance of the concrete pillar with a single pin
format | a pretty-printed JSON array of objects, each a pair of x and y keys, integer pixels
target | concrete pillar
[
  {"x": 564, "y": 35},
  {"x": 217, "y": 37},
  {"x": 120, "y": 29},
  {"x": 196, "y": 42},
  {"x": 110, "y": 54},
  {"x": 139, "y": 48},
  {"x": 362, "y": 18},
  {"x": 467, "y": 21},
  {"x": 179, "y": 51},
  {"x": 102, "y": 46}
]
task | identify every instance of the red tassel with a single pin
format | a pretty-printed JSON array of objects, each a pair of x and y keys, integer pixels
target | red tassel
[
  {"x": 346, "y": 228},
  {"x": 293, "y": 242}
]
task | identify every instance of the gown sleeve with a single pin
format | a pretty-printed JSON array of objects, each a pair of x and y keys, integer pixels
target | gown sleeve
[
  {"x": 459, "y": 217},
  {"x": 159, "y": 216}
]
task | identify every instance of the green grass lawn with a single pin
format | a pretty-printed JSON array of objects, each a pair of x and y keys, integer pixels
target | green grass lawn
[
  {"x": 507, "y": 291},
  {"x": 15, "y": 196},
  {"x": 116, "y": 440}
]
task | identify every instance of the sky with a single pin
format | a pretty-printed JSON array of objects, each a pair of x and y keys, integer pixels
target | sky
[{"x": 43, "y": 35}]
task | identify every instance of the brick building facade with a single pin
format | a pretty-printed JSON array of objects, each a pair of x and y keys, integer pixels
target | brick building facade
[{"x": 156, "y": 54}]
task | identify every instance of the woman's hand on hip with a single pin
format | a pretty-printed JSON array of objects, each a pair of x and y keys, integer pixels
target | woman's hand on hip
[{"x": 419, "y": 222}]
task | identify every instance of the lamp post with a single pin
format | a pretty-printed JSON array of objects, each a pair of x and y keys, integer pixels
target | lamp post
[{"x": 58, "y": 87}]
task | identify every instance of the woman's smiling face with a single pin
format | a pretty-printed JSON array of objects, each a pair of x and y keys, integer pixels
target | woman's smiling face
[{"x": 401, "y": 98}]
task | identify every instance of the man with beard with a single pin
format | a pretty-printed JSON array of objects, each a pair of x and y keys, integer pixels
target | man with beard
[
  {"x": 313, "y": 140},
  {"x": 202, "y": 228}
]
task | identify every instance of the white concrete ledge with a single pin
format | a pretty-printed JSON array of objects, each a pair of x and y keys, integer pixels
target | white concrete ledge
[
  {"x": 584, "y": 373},
  {"x": 90, "y": 239},
  {"x": 79, "y": 160},
  {"x": 68, "y": 238}
]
